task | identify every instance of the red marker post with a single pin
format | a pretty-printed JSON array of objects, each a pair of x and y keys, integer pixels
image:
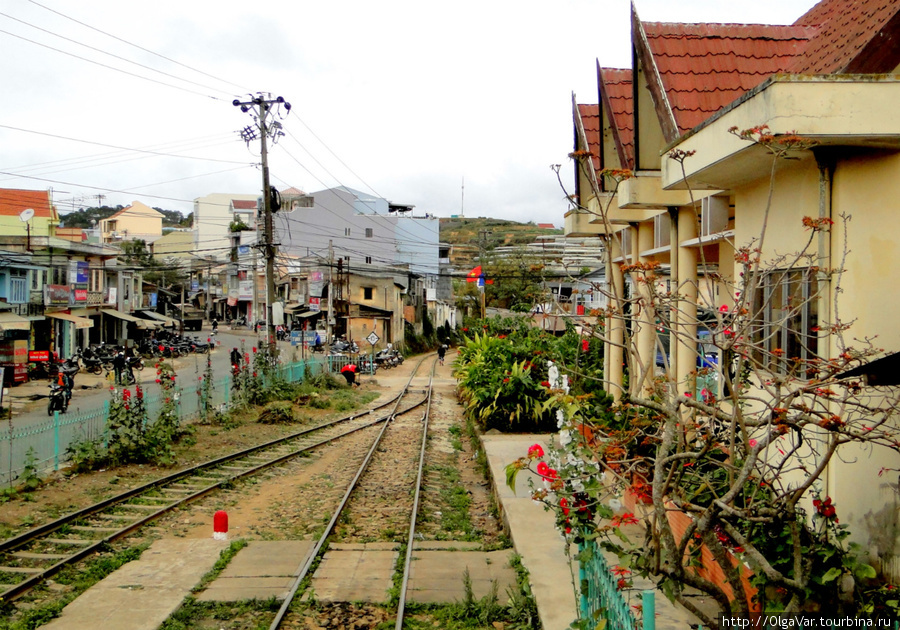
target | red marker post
[{"x": 220, "y": 525}]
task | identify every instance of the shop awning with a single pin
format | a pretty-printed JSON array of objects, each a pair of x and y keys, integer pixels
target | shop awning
[
  {"x": 80, "y": 322},
  {"x": 168, "y": 321},
  {"x": 139, "y": 322},
  {"x": 11, "y": 321},
  {"x": 307, "y": 314},
  {"x": 293, "y": 306}
]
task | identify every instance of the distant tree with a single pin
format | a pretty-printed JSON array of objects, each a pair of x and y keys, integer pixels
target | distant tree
[{"x": 86, "y": 218}]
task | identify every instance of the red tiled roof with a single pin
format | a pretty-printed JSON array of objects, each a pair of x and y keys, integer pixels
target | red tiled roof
[
  {"x": 850, "y": 37},
  {"x": 13, "y": 201},
  {"x": 704, "y": 67},
  {"x": 240, "y": 204},
  {"x": 615, "y": 90},
  {"x": 590, "y": 119}
]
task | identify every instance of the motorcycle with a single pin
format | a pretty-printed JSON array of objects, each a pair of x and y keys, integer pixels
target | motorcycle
[
  {"x": 59, "y": 400},
  {"x": 92, "y": 364},
  {"x": 342, "y": 346}
]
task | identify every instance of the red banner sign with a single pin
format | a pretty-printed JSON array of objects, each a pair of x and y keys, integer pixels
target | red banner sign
[
  {"x": 80, "y": 295},
  {"x": 39, "y": 355}
]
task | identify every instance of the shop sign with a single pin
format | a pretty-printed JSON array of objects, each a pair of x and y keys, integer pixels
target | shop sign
[
  {"x": 80, "y": 295},
  {"x": 315, "y": 304},
  {"x": 56, "y": 294},
  {"x": 38, "y": 355}
]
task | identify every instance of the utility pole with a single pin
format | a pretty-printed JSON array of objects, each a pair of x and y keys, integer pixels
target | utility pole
[
  {"x": 329, "y": 321},
  {"x": 262, "y": 107}
]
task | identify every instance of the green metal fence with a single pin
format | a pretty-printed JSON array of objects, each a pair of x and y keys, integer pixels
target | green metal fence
[
  {"x": 601, "y": 597},
  {"x": 48, "y": 441}
]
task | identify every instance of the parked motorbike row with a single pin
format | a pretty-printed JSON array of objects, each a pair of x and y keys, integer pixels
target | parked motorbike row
[{"x": 99, "y": 357}]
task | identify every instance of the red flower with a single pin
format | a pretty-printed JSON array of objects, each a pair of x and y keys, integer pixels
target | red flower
[
  {"x": 621, "y": 583},
  {"x": 543, "y": 469},
  {"x": 200, "y": 378},
  {"x": 723, "y": 308},
  {"x": 126, "y": 394},
  {"x": 825, "y": 508},
  {"x": 158, "y": 381},
  {"x": 564, "y": 504},
  {"x": 254, "y": 375},
  {"x": 465, "y": 330},
  {"x": 535, "y": 451},
  {"x": 545, "y": 383},
  {"x": 627, "y": 518},
  {"x": 254, "y": 348},
  {"x": 161, "y": 348},
  {"x": 506, "y": 380},
  {"x": 618, "y": 570},
  {"x": 585, "y": 345}
]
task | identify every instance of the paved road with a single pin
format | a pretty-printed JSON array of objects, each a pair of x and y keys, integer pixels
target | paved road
[{"x": 27, "y": 411}]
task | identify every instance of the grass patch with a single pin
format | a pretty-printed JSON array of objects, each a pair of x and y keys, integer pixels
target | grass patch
[{"x": 455, "y": 522}]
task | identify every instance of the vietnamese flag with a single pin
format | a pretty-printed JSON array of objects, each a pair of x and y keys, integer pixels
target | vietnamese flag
[{"x": 473, "y": 275}]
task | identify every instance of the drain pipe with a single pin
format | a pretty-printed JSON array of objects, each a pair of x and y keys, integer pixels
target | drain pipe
[{"x": 826, "y": 164}]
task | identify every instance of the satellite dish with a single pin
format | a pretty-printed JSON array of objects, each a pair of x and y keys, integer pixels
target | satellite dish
[{"x": 26, "y": 214}]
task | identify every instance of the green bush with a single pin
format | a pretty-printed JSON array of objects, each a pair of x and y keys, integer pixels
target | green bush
[{"x": 278, "y": 412}]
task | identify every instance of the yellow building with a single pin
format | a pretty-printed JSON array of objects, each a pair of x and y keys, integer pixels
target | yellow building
[
  {"x": 27, "y": 213},
  {"x": 136, "y": 222},
  {"x": 696, "y": 204}
]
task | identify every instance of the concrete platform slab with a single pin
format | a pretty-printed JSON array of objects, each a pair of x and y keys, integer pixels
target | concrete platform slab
[
  {"x": 261, "y": 570},
  {"x": 533, "y": 532},
  {"x": 142, "y": 594},
  {"x": 437, "y": 576},
  {"x": 355, "y": 575},
  {"x": 447, "y": 544},
  {"x": 236, "y": 589},
  {"x": 262, "y": 558}
]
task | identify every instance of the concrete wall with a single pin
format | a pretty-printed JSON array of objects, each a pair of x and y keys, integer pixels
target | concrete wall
[
  {"x": 361, "y": 229},
  {"x": 212, "y": 216}
]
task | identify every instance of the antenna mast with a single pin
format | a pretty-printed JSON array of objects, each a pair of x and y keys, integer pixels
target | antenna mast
[{"x": 462, "y": 205}]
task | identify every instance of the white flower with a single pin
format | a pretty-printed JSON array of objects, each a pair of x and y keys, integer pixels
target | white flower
[{"x": 565, "y": 438}]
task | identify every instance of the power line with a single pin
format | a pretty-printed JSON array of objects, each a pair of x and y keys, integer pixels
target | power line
[
  {"x": 114, "y": 56},
  {"x": 130, "y": 43},
  {"x": 108, "y": 67}
]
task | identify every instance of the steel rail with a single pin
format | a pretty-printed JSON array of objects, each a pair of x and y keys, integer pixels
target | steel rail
[
  {"x": 92, "y": 546},
  {"x": 300, "y": 576},
  {"x": 410, "y": 541}
]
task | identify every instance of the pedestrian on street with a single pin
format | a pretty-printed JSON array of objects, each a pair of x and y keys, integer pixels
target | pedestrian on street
[
  {"x": 442, "y": 350},
  {"x": 119, "y": 362}
]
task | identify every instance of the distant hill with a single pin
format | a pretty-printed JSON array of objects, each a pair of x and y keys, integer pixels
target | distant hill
[{"x": 468, "y": 236}]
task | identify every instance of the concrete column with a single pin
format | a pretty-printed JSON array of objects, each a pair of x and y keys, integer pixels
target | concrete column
[
  {"x": 644, "y": 318},
  {"x": 613, "y": 357},
  {"x": 686, "y": 335}
]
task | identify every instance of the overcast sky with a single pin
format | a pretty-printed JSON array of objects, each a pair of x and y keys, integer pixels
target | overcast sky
[{"x": 403, "y": 99}]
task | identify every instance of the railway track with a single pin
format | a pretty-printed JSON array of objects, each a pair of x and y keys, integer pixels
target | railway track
[
  {"x": 26, "y": 560},
  {"x": 301, "y": 578}
]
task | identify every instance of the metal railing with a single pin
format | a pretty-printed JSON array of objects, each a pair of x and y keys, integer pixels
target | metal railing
[
  {"x": 49, "y": 441},
  {"x": 601, "y": 597}
]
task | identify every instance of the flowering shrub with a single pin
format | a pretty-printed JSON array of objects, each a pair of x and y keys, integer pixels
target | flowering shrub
[{"x": 503, "y": 379}]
